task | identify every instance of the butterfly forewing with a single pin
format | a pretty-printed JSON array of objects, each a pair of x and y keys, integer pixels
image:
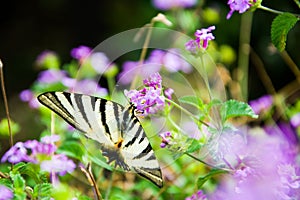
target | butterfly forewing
[{"x": 117, "y": 129}]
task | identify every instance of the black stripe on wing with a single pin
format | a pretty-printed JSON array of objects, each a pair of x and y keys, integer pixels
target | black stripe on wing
[
  {"x": 154, "y": 175},
  {"x": 103, "y": 116},
  {"x": 51, "y": 100},
  {"x": 78, "y": 100}
]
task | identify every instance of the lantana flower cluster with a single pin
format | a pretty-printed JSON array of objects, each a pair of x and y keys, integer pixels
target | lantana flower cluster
[
  {"x": 41, "y": 153},
  {"x": 150, "y": 99},
  {"x": 239, "y": 5}
]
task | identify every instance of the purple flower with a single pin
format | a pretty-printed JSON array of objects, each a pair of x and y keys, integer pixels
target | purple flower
[
  {"x": 48, "y": 139},
  {"x": 28, "y": 96},
  {"x": 16, "y": 154},
  {"x": 51, "y": 76},
  {"x": 99, "y": 62},
  {"x": 168, "y": 93},
  {"x": 262, "y": 167},
  {"x": 170, "y": 4},
  {"x": 148, "y": 100},
  {"x": 191, "y": 46},
  {"x": 59, "y": 164},
  {"x": 48, "y": 59},
  {"x": 165, "y": 139},
  {"x": 202, "y": 37},
  {"x": 199, "y": 195},
  {"x": 238, "y": 5},
  {"x": 81, "y": 52},
  {"x": 262, "y": 104},
  {"x": 173, "y": 62},
  {"x": 6, "y": 193}
]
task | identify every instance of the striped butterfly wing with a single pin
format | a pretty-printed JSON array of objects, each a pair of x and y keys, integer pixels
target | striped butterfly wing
[{"x": 119, "y": 132}]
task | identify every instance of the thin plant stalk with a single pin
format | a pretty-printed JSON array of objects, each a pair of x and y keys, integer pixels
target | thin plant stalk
[
  {"x": 88, "y": 173},
  {"x": 186, "y": 112},
  {"x": 6, "y": 103}
]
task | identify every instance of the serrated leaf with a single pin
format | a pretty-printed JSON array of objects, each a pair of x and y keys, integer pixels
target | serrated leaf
[
  {"x": 233, "y": 108},
  {"x": 191, "y": 100},
  {"x": 18, "y": 181},
  {"x": 28, "y": 169},
  {"x": 202, "y": 179},
  {"x": 281, "y": 25},
  {"x": 42, "y": 190},
  {"x": 195, "y": 145}
]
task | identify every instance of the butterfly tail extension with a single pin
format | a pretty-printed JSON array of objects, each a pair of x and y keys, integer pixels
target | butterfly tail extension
[{"x": 154, "y": 175}]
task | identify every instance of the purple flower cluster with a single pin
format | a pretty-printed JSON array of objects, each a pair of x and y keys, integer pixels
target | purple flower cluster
[
  {"x": 264, "y": 167},
  {"x": 238, "y": 5},
  {"x": 170, "y": 4},
  {"x": 199, "y": 195},
  {"x": 150, "y": 99},
  {"x": 170, "y": 60},
  {"x": 201, "y": 42},
  {"x": 42, "y": 153},
  {"x": 5, "y": 193},
  {"x": 262, "y": 104},
  {"x": 165, "y": 139}
]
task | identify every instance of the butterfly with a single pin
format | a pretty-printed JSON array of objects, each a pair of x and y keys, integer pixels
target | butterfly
[{"x": 117, "y": 129}]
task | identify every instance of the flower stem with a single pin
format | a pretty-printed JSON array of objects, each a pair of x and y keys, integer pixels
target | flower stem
[
  {"x": 88, "y": 173},
  {"x": 205, "y": 163},
  {"x": 6, "y": 104},
  {"x": 277, "y": 11},
  {"x": 186, "y": 112}
]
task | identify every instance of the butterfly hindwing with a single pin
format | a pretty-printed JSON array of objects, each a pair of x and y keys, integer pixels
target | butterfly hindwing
[{"x": 117, "y": 129}]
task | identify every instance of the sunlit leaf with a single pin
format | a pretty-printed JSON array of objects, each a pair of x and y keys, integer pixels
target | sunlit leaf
[{"x": 281, "y": 25}]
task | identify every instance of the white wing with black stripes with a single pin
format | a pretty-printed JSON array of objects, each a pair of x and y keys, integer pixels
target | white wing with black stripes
[{"x": 117, "y": 129}]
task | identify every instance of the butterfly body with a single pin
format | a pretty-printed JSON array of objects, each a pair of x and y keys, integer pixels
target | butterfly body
[{"x": 116, "y": 128}]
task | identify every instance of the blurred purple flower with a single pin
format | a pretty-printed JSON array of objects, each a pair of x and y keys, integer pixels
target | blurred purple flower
[
  {"x": 99, "y": 62},
  {"x": 257, "y": 167},
  {"x": 132, "y": 69},
  {"x": 51, "y": 76},
  {"x": 170, "y": 4},
  {"x": 295, "y": 120},
  {"x": 47, "y": 59},
  {"x": 262, "y": 104},
  {"x": 154, "y": 80},
  {"x": 283, "y": 129},
  {"x": 173, "y": 62},
  {"x": 28, "y": 96},
  {"x": 81, "y": 52},
  {"x": 85, "y": 86},
  {"x": 48, "y": 139},
  {"x": 199, "y": 195},
  {"x": 191, "y": 46},
  {"x": 168, "y": 93},
  {"x": 165, "y": 138},
  {"x": 238, "y": 5},
  {"x": 16, "y": 154},
  {"x": 6, "y": 193},
  {"x": 58, "y": 164}
]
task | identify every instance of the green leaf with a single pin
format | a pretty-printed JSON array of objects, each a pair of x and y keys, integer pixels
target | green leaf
[
  {"x": 191, "y": 100},
  {"x": 28, "y": 169},
  {"x": 202, "y": 179},
  {"x": 4, "y": 127},
  {"x": 18, "y": 181},
  {"x": 233, "y": 108},
  {"x": 281, "y": 25},
  {"x": 42, "y": 190},
  {"x": 195, "y": 145},
  {"x": 72, "y": 149}
]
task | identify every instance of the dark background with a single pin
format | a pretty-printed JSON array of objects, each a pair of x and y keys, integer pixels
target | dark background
[{"x": 29, "y": 27}]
